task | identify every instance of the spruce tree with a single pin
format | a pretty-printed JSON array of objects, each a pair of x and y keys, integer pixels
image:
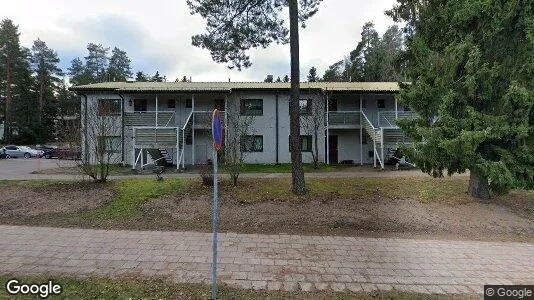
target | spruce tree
[
  {"x": 472, "y": 67},
  {"x": 119, "y": 66}
]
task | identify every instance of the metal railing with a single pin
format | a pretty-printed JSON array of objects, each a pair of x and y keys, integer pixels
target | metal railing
[
  {"x": 344, "y": 118},
  {"x": 149, "y": 118},
  {"x": 389, "y": 118}
]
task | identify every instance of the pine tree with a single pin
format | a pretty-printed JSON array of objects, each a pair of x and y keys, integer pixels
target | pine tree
[
  {"x": 79, "y": 74},
  {"x": 286, "y": 78},
  {"x": 119, "y": 66},
  {"x": 312, "y": 75},
  {"x": 471, "y": 64},
  {"x": 97, "y": 61},
  {"x": 237, "y": 26},
  {"x": 156, "y": 77},
  {"x": 141, "y": 77},
  {"x": 44, "y": 64},
  {"x": 278, "y": 79}
]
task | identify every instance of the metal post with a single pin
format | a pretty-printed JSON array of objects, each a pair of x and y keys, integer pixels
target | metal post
[
  {"x": 327, "y": 129},
  {"x": 382, "y": 148},
  {"x": 177, "y": 148},
  {"x": 183, "y": 149},
  {"x": 193, "y": 131},
  {"x": 374, "y": 147},
  {"x": 396, "y": 109},
  {"x": 156, "y": 111},
  {"x": 215, "y": 227},
  {"x": 133, "y": 150},
  {"x": 361, "y": 132}
]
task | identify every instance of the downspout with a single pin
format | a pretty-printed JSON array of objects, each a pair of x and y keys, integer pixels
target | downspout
[
  {"x": 122, "y": 129},
  {"x": 277, "y": 133},
  {"x": 86, "y": 150}
]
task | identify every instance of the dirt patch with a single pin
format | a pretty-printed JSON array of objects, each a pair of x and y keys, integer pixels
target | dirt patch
[
  {"x": 24, "y": 201},
  {"x": 378, "y": 216}
]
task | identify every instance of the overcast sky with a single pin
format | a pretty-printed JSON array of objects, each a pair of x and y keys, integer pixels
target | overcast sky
[{"x": 157, "y": 35}]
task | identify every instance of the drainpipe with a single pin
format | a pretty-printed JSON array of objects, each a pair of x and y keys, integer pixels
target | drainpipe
[
  {"x": 277, "y": 131},
  {"x": 122, "y": 129},
  {"x": 327, "y": 128},
  {"x": 361, "y": 131},
  {"x": 86, "y": 150}
]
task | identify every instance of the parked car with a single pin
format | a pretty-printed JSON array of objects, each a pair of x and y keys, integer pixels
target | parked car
[
  {"x": 12, "y": 151},
  {"x": 2, "y": 153},
  {"x": 62, "y": 153},
  {"x": 48, "y": 151}
]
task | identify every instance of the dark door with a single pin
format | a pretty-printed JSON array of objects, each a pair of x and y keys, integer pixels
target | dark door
[
  {"x": 332, "y": 104},
  {"x": 140, "y": 105},
  {"x": 333, "y": 149},
  {"x": 219, "y": 104}
]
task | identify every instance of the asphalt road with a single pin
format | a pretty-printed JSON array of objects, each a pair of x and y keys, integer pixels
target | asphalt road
[{"x": 22, "y": 168}]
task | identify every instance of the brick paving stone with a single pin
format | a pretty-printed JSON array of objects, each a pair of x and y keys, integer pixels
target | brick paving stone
[{"x": 273, "y": 262}]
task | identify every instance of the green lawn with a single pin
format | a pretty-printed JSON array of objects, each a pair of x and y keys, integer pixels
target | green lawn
[
  {"x": 161, "y": 288},
  {"x": 286, "y": 168}
]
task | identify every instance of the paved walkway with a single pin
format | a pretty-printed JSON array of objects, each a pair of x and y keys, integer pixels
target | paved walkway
[{"x": 274, "y": 262}]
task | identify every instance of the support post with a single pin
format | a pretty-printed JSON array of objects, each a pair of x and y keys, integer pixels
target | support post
[
  {"x": 183, "y": 149},
  {"x": 327, "y": 128},
  {"x": 382, "y": 148},
  {"x": 156, "y": 111},
  {"x": 193, "y": 131},
  {"x": 396, "y": 109},
  {"x": 133, "y": 149},
  {"x": 374, "y": 148},
  {"x": 177, "y": 148},
  {"x": 361, "y": 132}
]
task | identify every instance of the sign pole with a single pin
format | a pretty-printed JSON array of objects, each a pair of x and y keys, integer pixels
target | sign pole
[
  {"x": 215, "y": 226},
  {"x": 218, "y": 135}
]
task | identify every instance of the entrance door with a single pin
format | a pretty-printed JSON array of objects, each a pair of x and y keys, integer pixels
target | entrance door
[{"x": 333, "y": 150}]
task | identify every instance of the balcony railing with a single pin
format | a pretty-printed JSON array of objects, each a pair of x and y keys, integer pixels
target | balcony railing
[
  {"x": 203, "y": 119},
  {"x": 349, "y": 118},
  {"x": 389, "y": 118},
  {"x": 148, "y": 118}
]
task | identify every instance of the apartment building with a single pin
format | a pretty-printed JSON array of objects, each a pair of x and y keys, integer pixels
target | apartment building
[{"x": 169, "y": 122}]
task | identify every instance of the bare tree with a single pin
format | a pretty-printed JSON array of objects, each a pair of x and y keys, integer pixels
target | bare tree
[
  {"x": 101, "y": 133},
  {"x": 313, "y": 124},
  {"x": 238, "y": 127}
]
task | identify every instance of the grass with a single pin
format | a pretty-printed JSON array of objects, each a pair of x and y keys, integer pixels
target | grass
[
  {"x": 286, "y": 168},
  {"x": 132, "y": 193},
  {"x": 31, "y": 183},
  {"x": 161, "y": 288}
]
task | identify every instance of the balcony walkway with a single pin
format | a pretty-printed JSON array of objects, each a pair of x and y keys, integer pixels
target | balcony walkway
[{"x": 273, "y": 262}]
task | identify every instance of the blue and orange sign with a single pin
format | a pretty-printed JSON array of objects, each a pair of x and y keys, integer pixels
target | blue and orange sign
[{"x": 217, "y": 129}]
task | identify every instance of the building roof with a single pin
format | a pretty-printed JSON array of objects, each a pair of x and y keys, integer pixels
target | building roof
[{"x": 132, "y": 87}]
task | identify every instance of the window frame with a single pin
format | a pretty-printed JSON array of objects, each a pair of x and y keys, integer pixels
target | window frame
[
  {"x": 245, "y": 111},
  {"x": 252, "y": 149},
  {"x": 307, "y": 111},
  {"x": 302, "y": 138},
  {"x": 103, "y": 112}
]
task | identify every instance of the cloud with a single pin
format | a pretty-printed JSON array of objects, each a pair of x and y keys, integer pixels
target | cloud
[{"x": 157, "y": 35}]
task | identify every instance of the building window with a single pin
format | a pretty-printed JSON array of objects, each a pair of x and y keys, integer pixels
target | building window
[
  {"x": 252, "y": 107},
  {"x": 306, "y": 143},
  {"x": 171, "y": 103},
  {"x": 188, "y": 103},
  {"x": 252, "y": 143},
  {"x": 140, "y": 105},
  {"x": 109, "y": 144},
  {"x": 305, "y": 107},
  {"x": 109, "y": 107},
  {"x": 381, "y": 103}
]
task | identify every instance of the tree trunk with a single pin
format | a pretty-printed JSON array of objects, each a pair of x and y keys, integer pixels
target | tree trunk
[
  {"x": 299, "y": 185},
  {"x": 9, "y": 101},
  {"x": 478, "y": 185}
]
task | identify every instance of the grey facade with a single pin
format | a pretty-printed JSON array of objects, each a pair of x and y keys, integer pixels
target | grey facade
[{"x": 353, "y": 123}]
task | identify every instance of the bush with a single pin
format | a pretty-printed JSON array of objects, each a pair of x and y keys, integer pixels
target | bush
[{"x": 206, "y": 174}]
